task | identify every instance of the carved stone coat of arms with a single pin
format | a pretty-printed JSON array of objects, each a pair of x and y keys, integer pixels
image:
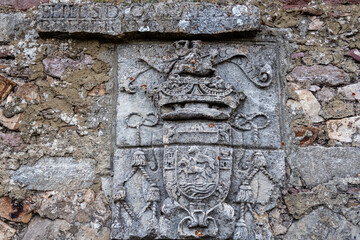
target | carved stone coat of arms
[{"x": 198, "y": 139}]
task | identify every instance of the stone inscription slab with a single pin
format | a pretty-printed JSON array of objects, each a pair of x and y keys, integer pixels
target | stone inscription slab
[
  {"x": 198, "y": 140},
  {"x": 120, "y": 19}
]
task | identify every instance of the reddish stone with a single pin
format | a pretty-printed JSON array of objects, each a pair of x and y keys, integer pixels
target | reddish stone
[
  {"x": 337, "y": 2},
  {"x": 293, "y": 190},
  {"x": 12, "y": 123},
  {"x": 12, "y": 140},
  {"x": 21, "y": 4},
  {"x": 15, "y": 212},
  {"x": 297, "y": 55},
  {"x": 306, "y": 140},
  {"x": 355, "y": 54},
  {"x": 5, "y": 87},
  {"x": 28, "y": 92},
  {"x": 7, "y": 3},
  {"x": 56, "y": 66}
]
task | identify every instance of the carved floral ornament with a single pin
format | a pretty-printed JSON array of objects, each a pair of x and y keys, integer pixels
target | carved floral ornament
[{"x": 197, "y": 162}]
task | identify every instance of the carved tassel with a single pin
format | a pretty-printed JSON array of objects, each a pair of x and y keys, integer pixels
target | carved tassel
[
  {"x": 245, "y": 194},
  {"x": 241, "y": 232},
  {"x": 153, "y": 194}
]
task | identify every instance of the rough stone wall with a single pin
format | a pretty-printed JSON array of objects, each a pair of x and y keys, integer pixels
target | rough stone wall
[{"x": 57, "y": 117}]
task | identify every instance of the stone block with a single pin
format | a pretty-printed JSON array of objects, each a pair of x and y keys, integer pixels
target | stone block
[
  {"x": 309, "y": 105},
  {"x": 29, "y": 92},
  {"x": 22, "y": 5},
  {"x": 56, "y": 66},
  {"x": 315, "y": 24},
  {"x": 56, "y": 173},
  {"x": 315, "y": 165},
  {"x": 162, "y": 18},
  {"x": 350, "y": 92},
  {"x": 83, "y": 206},
  {"x": 11, "y": 123},
  {"x": 355, "y": 54},
  {"x": 99, "y": 90},
  {"x": 325, "y": 94},
  {"x": 323, "y": 224},
  {"x": 11, "y": 25},
  {"x": 15, "y": 212},
  {"x": 338, "y": 195},
  {"x": 5, "y": 87},
  {"x": 319, "y": 75},
  {"x": 337, "y": 109},
  {"x": 6, "y": 232},
  {"x": 44, "y": 229},
  {"x": 344, "y": 130},
  {"x": 12, "y": 139}
]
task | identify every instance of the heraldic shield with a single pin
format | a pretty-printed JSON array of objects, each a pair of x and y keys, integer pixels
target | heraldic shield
[{"x": 198, "y": 178}]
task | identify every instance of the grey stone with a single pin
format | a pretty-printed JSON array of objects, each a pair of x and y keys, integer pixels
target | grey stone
[
  {"x": 185, "y": 112},
  {"x": 123, "y": 19},
  {"x": 337, "y": 109},
  {"x": 82, "y": 206},
  {"x": 315, "y": 165},
  {"x": 40, "y": 228},
  {"x": 323, "y": 224},
  {"x": 56, "y": 173},
  {"x": 44, "y": 229},
  {"x": 338, "y": 195},
  {"x": 325, "y": 94},
  {"x": 319, "y": 75},
  {"x": 11, "y": 26}
]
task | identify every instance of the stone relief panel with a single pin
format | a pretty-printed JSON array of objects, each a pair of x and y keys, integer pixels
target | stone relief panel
[
  {"x": 143, "y": 69},
  {"x": 197, "y": 140}
]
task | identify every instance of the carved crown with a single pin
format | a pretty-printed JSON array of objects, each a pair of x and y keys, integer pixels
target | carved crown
[
  {"x": 193, "y": 97},
  {"x": 194, "y": 89}
]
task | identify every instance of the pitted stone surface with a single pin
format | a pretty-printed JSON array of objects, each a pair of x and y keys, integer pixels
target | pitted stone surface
[
  {"x": 118, "y": 20},
  {"x": 57, "y": 173},
  {"x": 323, "y": 224},
  {"x": 316, "y": 165}
]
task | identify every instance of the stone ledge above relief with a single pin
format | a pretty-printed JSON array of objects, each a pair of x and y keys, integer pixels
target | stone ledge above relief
[{"x": 170, "y": 18}]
